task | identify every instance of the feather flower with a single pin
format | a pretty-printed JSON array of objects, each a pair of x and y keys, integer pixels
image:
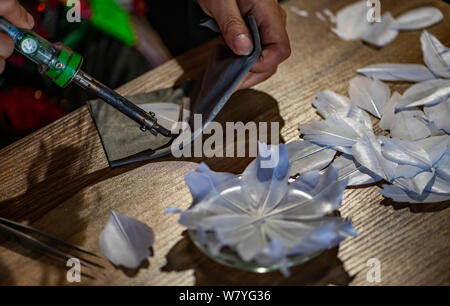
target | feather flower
[{"x": 263, "y": 217}]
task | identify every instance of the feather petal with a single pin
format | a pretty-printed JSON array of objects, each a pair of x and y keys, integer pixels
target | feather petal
[
  {"x": 203, "y": 181},
  {"x": 349, "y": 168},
  {"x": 331, "y": 132},
  {"x": 443, "y": 166},
  {"x": 403, "y": 196},
  {"x": 439, "y": 115},
  {"x": 351, "y": 21},
  {"x": 370, "y": 95},
  {"x": 354, "y": 114},
  {"x": 417, "y": 184},
  {"x": 381, "y": 33},
  {"x": 367, "y": 151},
  {"x": 436, "y": 55},
  {"x": 408, "y": 124},
  {"x": 419, "y": 18},
  {"x": 267, "y": 186},
  {"x": 340, "y": 130},
  {"x": 324, "y": 198},
  {"x": 305, "y": 156},
  {"x": 125, "y": 241},
  {"x": 398, "y": 72},
  {"x": 328, "y": 102},
  {"x": 428, "y": 93},
  {"x": 387, "y": 120},
  {"x": 423, "y": 153}
]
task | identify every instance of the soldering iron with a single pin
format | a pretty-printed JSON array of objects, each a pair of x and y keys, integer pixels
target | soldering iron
[{"x": 62, "y": 65}]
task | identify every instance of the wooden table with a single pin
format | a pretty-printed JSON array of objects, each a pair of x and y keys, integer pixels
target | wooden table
[{"x": 58, "y": 178}]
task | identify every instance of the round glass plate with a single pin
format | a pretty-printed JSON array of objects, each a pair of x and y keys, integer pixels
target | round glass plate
[{"x": 231, "y": 259}]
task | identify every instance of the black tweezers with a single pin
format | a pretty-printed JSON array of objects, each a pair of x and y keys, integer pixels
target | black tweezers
[{"x": 20, "y": 232}]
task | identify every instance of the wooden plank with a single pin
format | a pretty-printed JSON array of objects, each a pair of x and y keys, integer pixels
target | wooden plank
[{"x": 58, "y": 178}]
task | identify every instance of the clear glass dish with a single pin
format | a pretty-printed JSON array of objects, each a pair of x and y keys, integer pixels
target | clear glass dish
[{"x": 231, "y": 259}]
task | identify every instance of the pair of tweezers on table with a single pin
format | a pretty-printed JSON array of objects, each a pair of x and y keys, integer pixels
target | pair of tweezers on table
[{"x": 39, "y": 241}]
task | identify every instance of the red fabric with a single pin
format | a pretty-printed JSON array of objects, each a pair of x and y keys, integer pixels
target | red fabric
[{"x": 21, "y": 113}]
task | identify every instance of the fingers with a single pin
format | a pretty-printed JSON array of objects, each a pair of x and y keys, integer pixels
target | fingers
[
  {"x": 228, "y": 17},
  {"x": 6, "y": 49},
  {"x": 274, "y": 38},
  {"x": 255, "y": 78},
  {"x": 271, "y": 19},
  {"x": 6, "y": 45},
  {"x": 16, "y": 14}
]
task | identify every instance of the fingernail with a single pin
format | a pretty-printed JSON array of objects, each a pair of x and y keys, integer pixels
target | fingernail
[{"x": 243, "y": 44}]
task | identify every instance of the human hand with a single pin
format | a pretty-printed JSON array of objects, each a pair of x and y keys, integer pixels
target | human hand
[
  {"x": 271, "y": 20},
  {"x": 17, "y": 15}
]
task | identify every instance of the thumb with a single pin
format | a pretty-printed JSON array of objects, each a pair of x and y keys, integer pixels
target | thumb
[
  {"x": 16, "y": 14},
  {"x": 233, "y": 27}
]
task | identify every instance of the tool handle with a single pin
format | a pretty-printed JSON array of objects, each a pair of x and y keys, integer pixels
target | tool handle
[{"x": 56, "y": 61}]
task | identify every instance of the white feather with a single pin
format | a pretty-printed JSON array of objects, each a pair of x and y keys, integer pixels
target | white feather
[
  {"x": 417, "y": 184},
  {"x": 348, "y": 168},
  {"x": 387, "y": 120},
  {"x": 402, "y": 196},
  {"x": 370, "y": 95},
  {"x": 305, "y": 156},
  {"x": 419, "y": 18},
  {"x": 443, "y": 166},
  {"x": 328, "y": 102},
  {"x": 422, "y": 153},
  {"x": 398, "y": 72},
  {"x": 436, "y": 55},
  {"x": 125, "y": 241},
  {"x": 352, "y": 21},
  {"x": 367, "y": 151},
  {"x": 439, "y": 115},
  {"x": 408, "y": 124},
  {"x": 381, "y": 33},
  {"x": 428, "y": 93},
  {"x": 355, "y": 114},
  {"x": 337, "y": 131}
]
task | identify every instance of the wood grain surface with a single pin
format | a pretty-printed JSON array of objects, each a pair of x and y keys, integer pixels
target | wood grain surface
[{"x": 58, "y": 178}]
